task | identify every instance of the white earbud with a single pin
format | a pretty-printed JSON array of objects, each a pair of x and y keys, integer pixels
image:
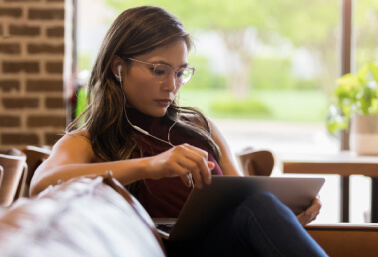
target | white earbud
[{"x": 119, "y": 68}]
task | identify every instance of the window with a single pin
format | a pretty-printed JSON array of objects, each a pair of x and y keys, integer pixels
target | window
[{"x": 265, "y": 70}]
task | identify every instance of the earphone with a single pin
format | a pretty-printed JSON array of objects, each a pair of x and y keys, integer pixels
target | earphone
[
  {"x": 119, "y": 68},
  {"x": 119, "y": 77}
]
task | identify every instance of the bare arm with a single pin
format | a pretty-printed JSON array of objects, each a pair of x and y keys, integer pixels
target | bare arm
[{"x": 72, "y": 156}]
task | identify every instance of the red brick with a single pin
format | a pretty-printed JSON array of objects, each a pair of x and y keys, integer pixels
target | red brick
[
  {"x": 46, "y": 14},
  {"x": 57, "y": 121},
  {"x": 10, "y": 48},
  {"x": 9, "y": 121},
  {"x": 11, "y": 12},
  {"x": 55, "y": 102},
  {"x": 54, "y": 67},
  {"x": 44, "y": 85},
  {"x": 9, "y": 85},
  {"x": 17, "y": 66},
  {"x": 45, "y": 48},
  {"x": 55, "y": 32},
  {"x": 51, "y": 139},
  {"x": 24, "y": 30},
  {"x": 19, "y": 139},
  {"x": 20, "y": 102}
]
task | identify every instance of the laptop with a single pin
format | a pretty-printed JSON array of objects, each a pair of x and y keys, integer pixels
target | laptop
[{"x": 207, "y": 206}]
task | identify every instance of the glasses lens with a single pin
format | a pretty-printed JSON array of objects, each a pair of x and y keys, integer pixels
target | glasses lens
[
  {"x": 184, "y": 75},
  {"x": 161, "y": 72}
]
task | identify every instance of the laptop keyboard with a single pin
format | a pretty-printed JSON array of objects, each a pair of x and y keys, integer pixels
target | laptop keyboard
[{"x": 165, "y": 227}]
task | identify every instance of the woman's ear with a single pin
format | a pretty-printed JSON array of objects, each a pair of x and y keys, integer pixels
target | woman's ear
[{"x": 117, "y": 67}]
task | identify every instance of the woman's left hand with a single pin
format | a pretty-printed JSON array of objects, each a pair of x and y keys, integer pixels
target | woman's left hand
[{"x": 311, "y": 213}]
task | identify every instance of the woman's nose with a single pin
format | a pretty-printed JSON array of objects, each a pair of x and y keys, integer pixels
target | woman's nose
[{"x": 170, "y": 84}]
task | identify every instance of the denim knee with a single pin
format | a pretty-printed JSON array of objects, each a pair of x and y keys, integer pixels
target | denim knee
[
  {"x": 266, "y": 204},
  {"x": 261, "y": 200}
]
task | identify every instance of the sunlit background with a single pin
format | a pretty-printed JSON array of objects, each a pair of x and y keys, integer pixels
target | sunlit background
[{"x": 265, "y": 71}]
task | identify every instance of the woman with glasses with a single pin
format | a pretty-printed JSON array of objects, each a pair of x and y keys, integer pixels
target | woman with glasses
[{"x": 160, "y": 150}]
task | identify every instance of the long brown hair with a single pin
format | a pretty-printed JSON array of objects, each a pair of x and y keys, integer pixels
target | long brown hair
[{"x": 136, "y": 31}]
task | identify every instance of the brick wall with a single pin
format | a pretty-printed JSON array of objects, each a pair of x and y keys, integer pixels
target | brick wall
[{"x": 32, "y": 48}]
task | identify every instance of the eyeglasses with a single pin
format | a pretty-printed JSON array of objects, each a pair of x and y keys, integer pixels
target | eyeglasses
[{"x": 161, "y": 72}]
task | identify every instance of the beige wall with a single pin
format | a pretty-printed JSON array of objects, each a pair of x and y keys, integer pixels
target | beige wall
[{"x": 32, "y": 50}]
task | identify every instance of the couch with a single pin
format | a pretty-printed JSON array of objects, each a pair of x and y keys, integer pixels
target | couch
[
  {"x": 96, "y": 216},
  {"x": 87, "y": 216}
]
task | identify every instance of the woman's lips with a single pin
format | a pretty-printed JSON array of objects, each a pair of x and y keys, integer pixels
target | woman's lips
[{"x": 164, "y": 102}]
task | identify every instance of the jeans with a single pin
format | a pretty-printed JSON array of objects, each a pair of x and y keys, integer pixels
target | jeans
[{"x": 260, "y": 226}]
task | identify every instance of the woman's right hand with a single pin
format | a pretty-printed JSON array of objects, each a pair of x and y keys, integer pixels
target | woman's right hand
[{"x": 179, "y": 161}]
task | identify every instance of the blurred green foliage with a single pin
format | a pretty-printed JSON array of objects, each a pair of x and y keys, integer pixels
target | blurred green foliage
[
  {"x": 246, "y": 108},
  {"x": 261, "y": 77},
  {"x": 311, "y": 25},
  {"x": 276, "y": 104},
  {"x": 203, "y": 78},
  {"x": 355, "y": 94}
]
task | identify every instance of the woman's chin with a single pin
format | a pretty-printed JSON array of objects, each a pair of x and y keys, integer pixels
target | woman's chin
[{"x": 158, "y": 113}]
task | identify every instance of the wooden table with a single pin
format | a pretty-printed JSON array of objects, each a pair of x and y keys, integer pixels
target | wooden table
[{"x": 344, "y": 164}]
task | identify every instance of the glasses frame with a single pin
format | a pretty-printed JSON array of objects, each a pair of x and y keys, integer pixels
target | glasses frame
[{"x": 172, "y": 70}]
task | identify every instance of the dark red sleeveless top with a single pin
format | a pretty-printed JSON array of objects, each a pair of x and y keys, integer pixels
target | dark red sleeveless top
[{"x": 164, "y": 197}]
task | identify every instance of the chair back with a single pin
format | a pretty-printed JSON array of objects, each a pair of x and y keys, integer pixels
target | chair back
[
  {"x": 256, "y": 162},
  {"x": 34, "y": 157},
  {"x": 13, "y": 162}
]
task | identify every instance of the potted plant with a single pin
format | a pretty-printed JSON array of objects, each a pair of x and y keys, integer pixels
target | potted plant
[{"x": 356, "y": 109}]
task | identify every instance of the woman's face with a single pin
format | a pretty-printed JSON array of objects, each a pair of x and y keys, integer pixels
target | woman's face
[{"x": 142, "y": 91}]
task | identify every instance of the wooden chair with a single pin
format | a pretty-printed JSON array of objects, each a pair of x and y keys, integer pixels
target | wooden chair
[
  {"x": 34, "y": 157},
  {"x": 14, "y": 164},
  {"x": 346, "y": 239},
  {"x": 256, "y": 162},
  {"x": 338, "y": 239}
]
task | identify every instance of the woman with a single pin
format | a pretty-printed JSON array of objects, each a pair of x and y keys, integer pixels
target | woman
[{"x": 135, "y": 128}]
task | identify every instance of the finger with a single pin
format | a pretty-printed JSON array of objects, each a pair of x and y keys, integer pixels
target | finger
[
  {"x": 304, "y": 220},
  {"x": 315, "y": 207},
  {"x": 190, "y": 178},
  {"x": 184, "y": 175},
  {"x": 200, "y": 158},
  {"x": 210, "y": 165},
  {"x": 185, "y": 179},
  {"x": 193, "y": 169},
  {"x": 307, "y": 217},
  {"x": 197, "y": 178},
  {"x": 300, "y": 218}
]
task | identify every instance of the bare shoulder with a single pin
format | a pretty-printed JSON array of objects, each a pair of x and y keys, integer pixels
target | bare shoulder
[
  {"x": 75, "y": 146},
  {"x": 78, "y": 139}
]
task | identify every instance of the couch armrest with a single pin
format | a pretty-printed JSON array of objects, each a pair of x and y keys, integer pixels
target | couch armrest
[
  {"x": 346, "y": 239},
  {"x": 86, "y": 216}
]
